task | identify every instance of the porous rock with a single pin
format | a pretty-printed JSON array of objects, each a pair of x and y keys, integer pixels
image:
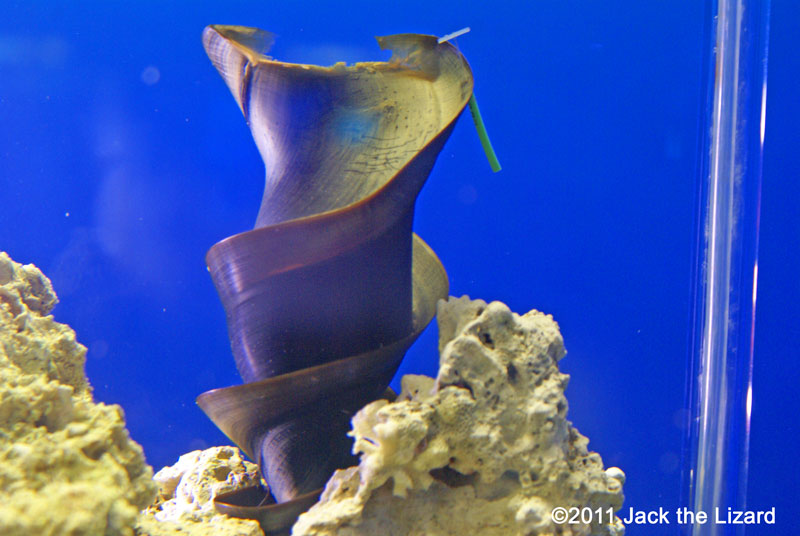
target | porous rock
[
  {"x": 67, "y": 464},
  {"x": 485, "y": 448},
  {"x": 185, "y": 503}
]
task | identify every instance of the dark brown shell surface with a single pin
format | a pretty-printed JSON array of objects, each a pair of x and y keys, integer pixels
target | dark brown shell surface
[{"x": 326, "y": 294}]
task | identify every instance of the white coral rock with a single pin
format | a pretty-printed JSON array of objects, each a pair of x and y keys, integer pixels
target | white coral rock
[
  {"x": 186, "y": 495},
  {"x": 67, "y": 464},
  {"x": 483, "y": 449}
]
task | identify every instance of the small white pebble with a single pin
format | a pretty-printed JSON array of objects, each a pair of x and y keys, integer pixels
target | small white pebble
[{"x": 616, "y": 472}]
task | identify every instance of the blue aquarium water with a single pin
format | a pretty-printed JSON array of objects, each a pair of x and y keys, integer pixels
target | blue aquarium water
[{"x": 123, "y": 159}]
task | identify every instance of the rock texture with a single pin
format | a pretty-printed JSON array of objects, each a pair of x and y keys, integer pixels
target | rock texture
[
  {"x": 67, "y": 464},
  {"x": 185, "y": 505},
  {"x": 485, "y": 448}
]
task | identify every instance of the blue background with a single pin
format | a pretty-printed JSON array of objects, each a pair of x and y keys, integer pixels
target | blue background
[{"x": 123, "y": 158}]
